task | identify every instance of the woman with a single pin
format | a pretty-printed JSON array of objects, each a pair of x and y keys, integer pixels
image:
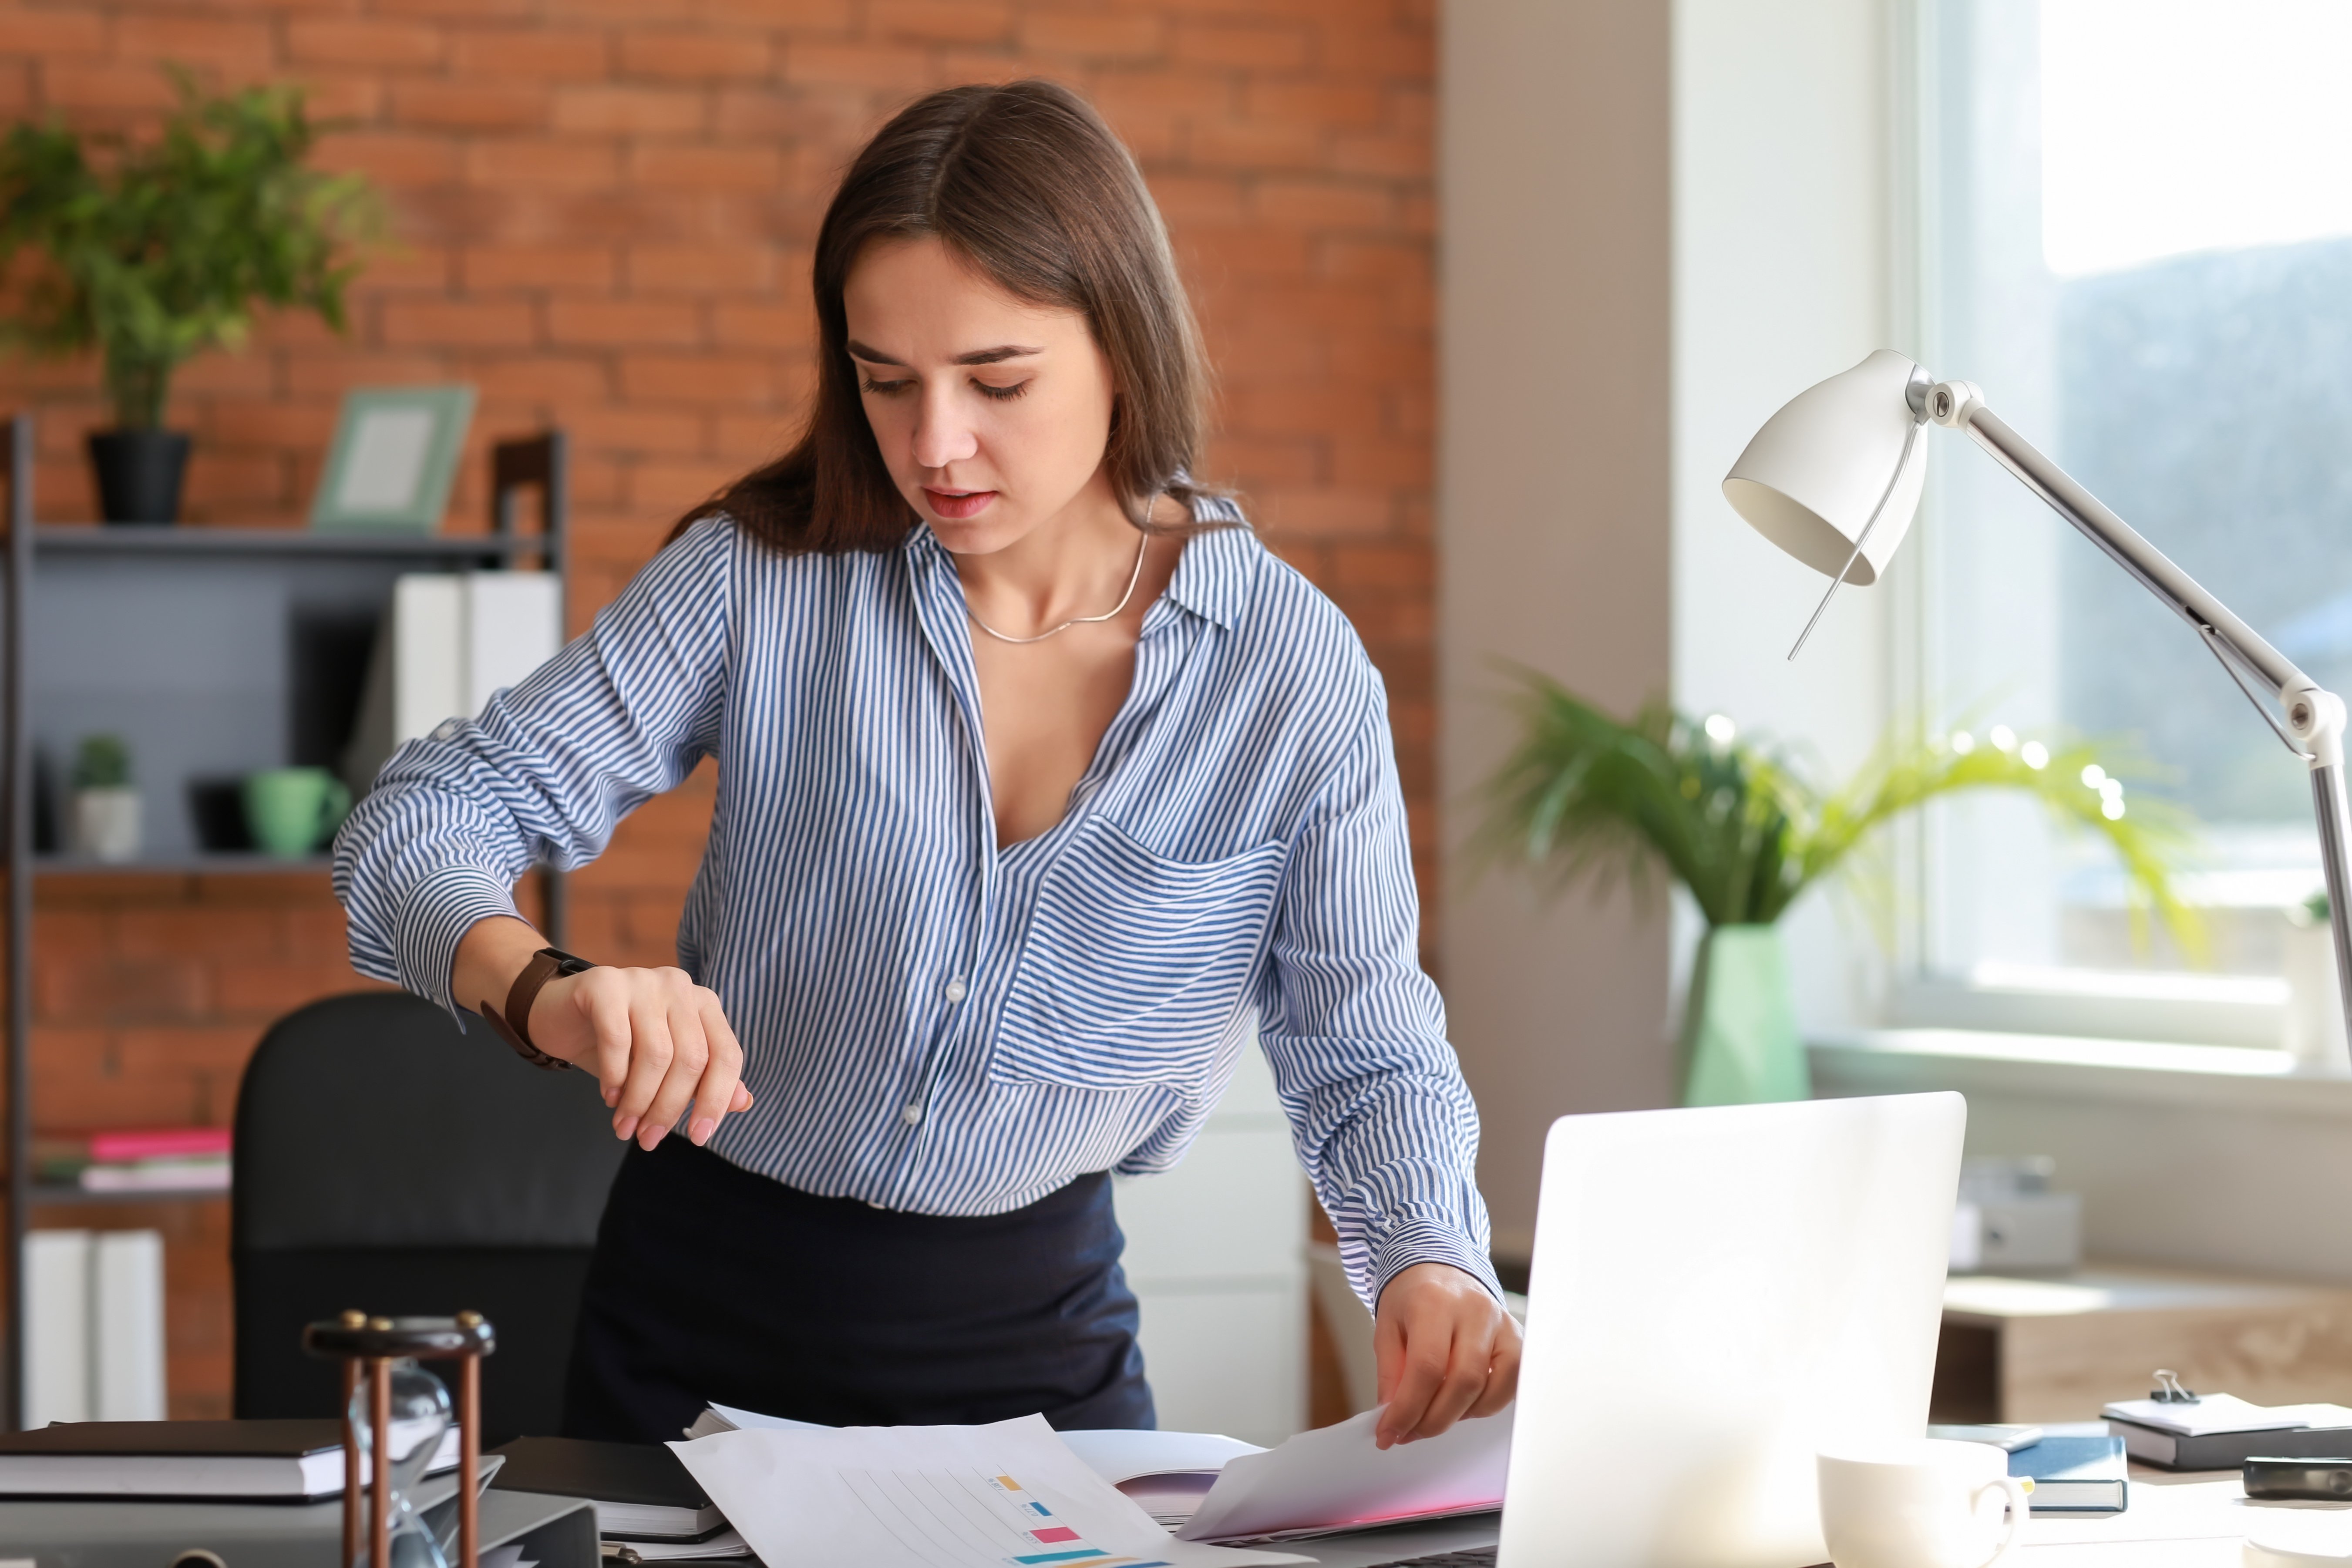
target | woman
[{"x": 1040, "y": 781}]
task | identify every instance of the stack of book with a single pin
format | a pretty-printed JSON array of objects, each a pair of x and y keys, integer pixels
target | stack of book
[
  {"x": 2222, "y": 1432},
  {"x": 136, "y": 1159},
  {"x": 213, "y": 1461}
]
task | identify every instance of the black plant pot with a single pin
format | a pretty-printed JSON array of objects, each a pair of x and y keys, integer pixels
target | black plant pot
[{"x": 139, "y": 473}]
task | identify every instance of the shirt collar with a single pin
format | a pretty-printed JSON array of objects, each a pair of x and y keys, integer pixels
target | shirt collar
[{"x": 1213, "y": 576}]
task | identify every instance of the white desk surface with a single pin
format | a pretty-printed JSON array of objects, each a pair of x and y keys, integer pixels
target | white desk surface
[{"x": 2193, "y": 1520}]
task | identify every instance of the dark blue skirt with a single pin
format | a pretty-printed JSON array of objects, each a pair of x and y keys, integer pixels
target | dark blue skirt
[{"x": 711, "y": 1283}]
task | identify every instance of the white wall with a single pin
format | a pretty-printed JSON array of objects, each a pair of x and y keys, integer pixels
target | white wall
[
  {"x": 1552, "y": 525},
  {"x": 1782, "y": 225},
  {"x": 1216, "y": 1256}
]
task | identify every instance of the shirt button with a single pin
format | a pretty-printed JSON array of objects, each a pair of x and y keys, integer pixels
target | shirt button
[
  {"x": 954, "y": 989},
  {"x": 911, "y": 1115}
]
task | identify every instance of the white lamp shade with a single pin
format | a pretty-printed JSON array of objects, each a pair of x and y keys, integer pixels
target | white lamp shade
[{"x": 1812, "y": 475}]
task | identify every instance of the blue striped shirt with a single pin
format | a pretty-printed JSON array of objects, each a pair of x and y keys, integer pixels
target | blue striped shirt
[{"x": 932, "y": 1022}]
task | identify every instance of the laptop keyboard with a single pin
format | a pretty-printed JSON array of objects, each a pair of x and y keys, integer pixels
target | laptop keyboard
[{"x": 1475, "y": 1557}]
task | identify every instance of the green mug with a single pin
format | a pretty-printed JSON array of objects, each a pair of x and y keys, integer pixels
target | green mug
[{"x": 292, "y": 811}]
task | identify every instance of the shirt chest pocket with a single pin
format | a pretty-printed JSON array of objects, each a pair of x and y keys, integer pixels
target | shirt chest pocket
[{"x": 1134, "y": 964}]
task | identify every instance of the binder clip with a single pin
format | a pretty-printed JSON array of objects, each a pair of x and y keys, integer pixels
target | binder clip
[
  {"x": 2168, "y": 1389},
  {"x": 372, "y": 1350}
]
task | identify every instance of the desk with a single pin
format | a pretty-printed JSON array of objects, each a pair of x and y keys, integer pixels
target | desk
[
  {"x": 2180, "y": 1522},
  {"x": 2058, "y": 1349}
]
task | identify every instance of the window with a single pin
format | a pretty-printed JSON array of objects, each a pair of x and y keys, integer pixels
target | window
[{"x": 2137, "y": 238}]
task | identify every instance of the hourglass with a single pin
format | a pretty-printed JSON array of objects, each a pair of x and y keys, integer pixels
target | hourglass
[{"x": 395, "y": 1415}]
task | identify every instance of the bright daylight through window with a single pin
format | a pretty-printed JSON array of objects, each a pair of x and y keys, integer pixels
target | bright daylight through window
[{"x": 2137, "y": 240}]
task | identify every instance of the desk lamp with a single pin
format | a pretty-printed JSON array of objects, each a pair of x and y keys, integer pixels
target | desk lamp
[{"x": 1835, "y": 478}]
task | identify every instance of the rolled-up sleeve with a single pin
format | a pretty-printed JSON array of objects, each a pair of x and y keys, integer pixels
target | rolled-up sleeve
[
  {"x": 1355, "y": 1033},
  {"x": 544, "y": 775}
]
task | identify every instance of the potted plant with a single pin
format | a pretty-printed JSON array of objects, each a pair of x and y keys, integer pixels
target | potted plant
[
  {"x": 1588, "y": 797},
  {"x": 105, "y": 821},
  {"x": 150, "y": 254}
]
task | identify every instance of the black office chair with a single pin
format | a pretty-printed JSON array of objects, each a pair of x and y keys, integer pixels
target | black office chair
[{"x": 388, "y": 1163}]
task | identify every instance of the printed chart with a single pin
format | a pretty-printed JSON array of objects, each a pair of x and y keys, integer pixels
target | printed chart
[
  {"x": 1007, "y": 1494},
  {"x": 960, "y": 1516}
]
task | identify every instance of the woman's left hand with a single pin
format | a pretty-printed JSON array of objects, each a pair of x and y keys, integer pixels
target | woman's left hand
[{"x": 1446, "y": 1349}]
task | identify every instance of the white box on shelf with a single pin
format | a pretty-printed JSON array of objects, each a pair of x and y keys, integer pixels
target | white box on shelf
[
  {"x": 56, "y": 1326},
  {"x": 127, "y": 1319},
  {"x": 448, "y": 641},
  {"x": 94, "y": 1347}
]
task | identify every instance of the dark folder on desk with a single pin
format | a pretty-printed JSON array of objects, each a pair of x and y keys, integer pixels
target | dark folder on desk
[{"x": 640, "y": 1490}]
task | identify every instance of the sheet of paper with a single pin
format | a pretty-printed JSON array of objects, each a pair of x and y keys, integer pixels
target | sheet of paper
[
  {"x": 1006, "y": 1495},
  {"x": 1115, "y": 1453},
  {"x": 1121, "y": 1456},
  {"x": 1170, "y": 1500},
  {"x": 2226, "y": 1412},
  {"x": 726, "y": 1544},
  {"x": 752, "y": 1420},
  {"x": 1336, "y": 1478}
]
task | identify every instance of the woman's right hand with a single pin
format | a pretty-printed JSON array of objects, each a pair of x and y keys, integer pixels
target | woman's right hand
[{"x": 655, "y": 1041}]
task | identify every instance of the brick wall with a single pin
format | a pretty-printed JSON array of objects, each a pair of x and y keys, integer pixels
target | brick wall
[{"x": 604, "y": 211}]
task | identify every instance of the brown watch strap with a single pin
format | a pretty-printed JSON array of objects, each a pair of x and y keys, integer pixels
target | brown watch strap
[{"x": 513, "y": 1023}]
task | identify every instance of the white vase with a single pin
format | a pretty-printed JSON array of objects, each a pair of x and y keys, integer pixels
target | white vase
[
  {"x": 2315, "y": 1008},
  {"x": 106, "y": 823}
]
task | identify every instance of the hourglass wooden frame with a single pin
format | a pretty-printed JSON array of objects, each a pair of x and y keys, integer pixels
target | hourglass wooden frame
[{"x": 367, "y": 1346}]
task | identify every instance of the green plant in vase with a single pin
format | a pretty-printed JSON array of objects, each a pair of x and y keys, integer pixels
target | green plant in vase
[
  {"x": 152, "y": 254},
  {"x": 1588, "y": 797},
  {"x": 106, "y": 803}
]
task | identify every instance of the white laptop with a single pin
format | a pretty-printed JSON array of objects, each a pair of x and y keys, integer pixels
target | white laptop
[{"x": 1717, "y": 1295}]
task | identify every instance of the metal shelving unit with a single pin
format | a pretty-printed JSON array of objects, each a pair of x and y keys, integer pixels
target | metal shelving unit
[{"x": 192, "y": 642}]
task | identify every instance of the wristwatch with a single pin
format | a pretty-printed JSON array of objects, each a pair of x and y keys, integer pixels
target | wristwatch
[{"x": 514, "y": 1027}]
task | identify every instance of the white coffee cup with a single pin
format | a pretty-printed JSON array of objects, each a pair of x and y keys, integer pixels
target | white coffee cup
[{"x": 1922, "y": 1503}]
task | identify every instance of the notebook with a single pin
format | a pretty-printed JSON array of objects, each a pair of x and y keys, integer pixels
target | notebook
[
  {"x": 2075, "y": 1475},
  {"x": 641, "y": 1491},
  {"x": 2220, "y": 1432},
  {"x": 290, "y": 1461}
]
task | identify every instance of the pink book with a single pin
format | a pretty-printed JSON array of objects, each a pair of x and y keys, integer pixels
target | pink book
[{"x": 158, "y": 1143}]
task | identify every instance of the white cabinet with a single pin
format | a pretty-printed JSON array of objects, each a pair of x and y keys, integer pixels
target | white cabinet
[{"x": 1215, "y": 1254}]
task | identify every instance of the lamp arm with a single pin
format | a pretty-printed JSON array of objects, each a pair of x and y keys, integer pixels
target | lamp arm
[
  {"x": 2314, "y": 718},
  {"x": 2122, "y": 542}
]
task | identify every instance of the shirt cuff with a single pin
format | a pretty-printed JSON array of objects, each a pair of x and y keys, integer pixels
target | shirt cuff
[
  {"x": 440, "y": 910},
  {"x": 1421, "y": 1241}
]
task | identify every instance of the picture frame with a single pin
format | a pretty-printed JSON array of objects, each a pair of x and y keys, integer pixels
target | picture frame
[{"x": 394, "y": 458}]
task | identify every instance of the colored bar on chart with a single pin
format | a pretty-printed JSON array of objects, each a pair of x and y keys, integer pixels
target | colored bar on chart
[
  {"x": 1080, "y": 1555},
  {"x": 1052, "y": 1533},
  {"x": 1041, "y": 1508}
]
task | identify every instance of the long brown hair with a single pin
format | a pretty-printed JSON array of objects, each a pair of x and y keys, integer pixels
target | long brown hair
[{"x": 1026, "y": 182}]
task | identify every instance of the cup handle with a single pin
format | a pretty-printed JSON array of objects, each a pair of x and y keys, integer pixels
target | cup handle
[
  {"x": 335, "y": 805},
  {"x": 2019, "y": 1508}
]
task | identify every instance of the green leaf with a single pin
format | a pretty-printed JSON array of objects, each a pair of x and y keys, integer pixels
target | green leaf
[
  {"x": 152, "y": 254},
  {"x": 1588, "y": 798}
]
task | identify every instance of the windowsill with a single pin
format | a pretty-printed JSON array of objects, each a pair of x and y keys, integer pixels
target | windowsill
[{"x": 2065, "y": 1066}]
